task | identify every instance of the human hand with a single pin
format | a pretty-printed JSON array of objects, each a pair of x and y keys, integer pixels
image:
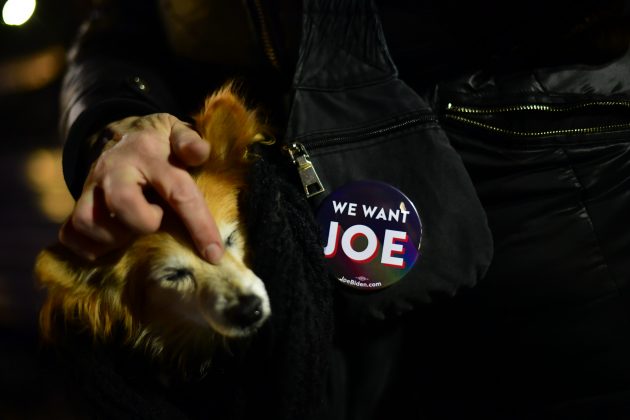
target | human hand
[{"x": 150, "y": 151}]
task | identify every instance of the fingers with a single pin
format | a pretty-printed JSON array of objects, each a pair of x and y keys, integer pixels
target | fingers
[
  {"x": 84, "y": 245},
  {"x": 80, "y": 244},
  {"x": 104, "y": 220},
  {"x": 141, "y": 158},
  {"x": 124, "y": 197},
  {"x": 187, "y": 145},
  {"x": 178, "y": 188},
  {"x": 90, "y": 232}
]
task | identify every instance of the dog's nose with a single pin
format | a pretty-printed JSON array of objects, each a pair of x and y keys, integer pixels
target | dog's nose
[{"x": 246, "y": 312}]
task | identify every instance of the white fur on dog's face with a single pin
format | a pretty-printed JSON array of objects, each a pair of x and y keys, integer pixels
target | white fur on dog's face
[{"x": 183, "y": 285}]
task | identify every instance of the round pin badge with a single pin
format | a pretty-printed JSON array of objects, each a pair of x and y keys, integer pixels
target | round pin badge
[{"x": 371, "y": 234}]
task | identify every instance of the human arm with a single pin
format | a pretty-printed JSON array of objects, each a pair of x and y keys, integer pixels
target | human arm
[{"x": 116, "y": 70}]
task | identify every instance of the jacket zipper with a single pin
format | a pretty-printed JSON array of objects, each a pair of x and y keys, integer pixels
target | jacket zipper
[
  {"x": 462, "y": 114},
  {"x": 265, "y": 35},
  {"x": 306, "y": 169}
]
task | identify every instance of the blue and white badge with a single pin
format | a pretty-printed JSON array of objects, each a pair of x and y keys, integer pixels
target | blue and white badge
[{"x": 372, "y": 234}]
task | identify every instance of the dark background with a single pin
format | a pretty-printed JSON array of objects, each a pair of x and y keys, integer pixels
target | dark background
[{"x": 33, "y": 199}]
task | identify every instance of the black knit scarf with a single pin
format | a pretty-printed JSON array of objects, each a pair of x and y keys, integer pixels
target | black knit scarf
[{"x": 280, "y": 374}]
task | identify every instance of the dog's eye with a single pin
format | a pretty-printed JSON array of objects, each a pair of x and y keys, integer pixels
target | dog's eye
[
  {"x": 177, "y": 274},
  {"x": 230, "y": 239}
]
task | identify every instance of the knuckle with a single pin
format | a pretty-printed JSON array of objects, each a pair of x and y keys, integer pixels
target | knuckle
[
  {"x": 147, "y": 224},
  {"x": 81, "y": 222},
  {"x": 151, "y": 225},
  {"x": 186, "y": 137},
  {"x": 125, "y": 124},
  {"x": 103, "y": 164},
  {"x": 150, "y": 144},
  {"x": 122, "y": 198},
  {"x": 163, "y": 116},
  {"x": 160, "y": 120},
  {"x": 145, "y": 142}
]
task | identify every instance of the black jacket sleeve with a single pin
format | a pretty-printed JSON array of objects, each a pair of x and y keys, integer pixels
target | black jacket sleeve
[{"x": 116, "y": 69}]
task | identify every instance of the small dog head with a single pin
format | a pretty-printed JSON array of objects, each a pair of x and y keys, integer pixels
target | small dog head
[{"x": 158, "y": 291}]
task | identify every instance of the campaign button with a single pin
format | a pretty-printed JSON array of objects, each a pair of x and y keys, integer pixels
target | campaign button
[{"x": 372, "y": 234}]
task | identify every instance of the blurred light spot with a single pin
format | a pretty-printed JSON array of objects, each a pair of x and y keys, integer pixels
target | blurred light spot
[
  {"x": 45, "y": 177},
  {"x": 31, "y": 72},
  {"x": 17, "y": 12}
]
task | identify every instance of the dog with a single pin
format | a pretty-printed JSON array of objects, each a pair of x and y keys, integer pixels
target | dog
[{"x": 158, "y": 293}]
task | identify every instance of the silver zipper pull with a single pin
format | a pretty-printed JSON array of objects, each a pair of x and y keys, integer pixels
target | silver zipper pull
[{"x": 310, "y": 181}]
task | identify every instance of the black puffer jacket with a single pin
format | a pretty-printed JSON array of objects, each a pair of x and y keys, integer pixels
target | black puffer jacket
[{"x": 536, "y": 100}]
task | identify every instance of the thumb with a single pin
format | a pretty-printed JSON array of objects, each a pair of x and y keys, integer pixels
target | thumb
[{"x": 188, "y": 145}]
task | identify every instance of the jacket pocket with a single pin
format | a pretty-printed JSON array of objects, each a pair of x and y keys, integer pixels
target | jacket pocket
[
  {"x": 312, "y": 154},
  {"x": 552, "y": 177},
  {"x": 411, "y": 153}
]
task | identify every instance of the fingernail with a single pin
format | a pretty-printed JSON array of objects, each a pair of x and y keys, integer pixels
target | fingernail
[{"x": 213, "y": 253}]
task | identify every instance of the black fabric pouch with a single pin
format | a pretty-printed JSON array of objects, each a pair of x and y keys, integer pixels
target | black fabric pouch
[{"x": 352, "y": 119}]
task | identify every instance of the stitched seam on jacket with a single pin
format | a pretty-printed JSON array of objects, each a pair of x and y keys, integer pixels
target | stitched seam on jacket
[{"x": 590, "y": 221}]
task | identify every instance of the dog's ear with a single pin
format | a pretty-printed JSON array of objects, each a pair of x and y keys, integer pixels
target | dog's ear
[
  {"x": 79, "y": 292},
  {"x": 230, "y": 127}
]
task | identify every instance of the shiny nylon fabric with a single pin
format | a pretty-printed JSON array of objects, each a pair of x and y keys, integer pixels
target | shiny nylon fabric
[
  {"x": 558, "y": 214},
  {"x": 552, "y": 315},
  {"x": 557, "y": 201}
]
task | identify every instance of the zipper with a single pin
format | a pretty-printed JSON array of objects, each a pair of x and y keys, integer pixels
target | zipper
[
  {"x": 533, "y": 107},
  {"x": 368, "y": 133},
  {"x": 306, "y": 169},
  {"x": 463, "y": 114},
  {"x": 265, "y": 35}
]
